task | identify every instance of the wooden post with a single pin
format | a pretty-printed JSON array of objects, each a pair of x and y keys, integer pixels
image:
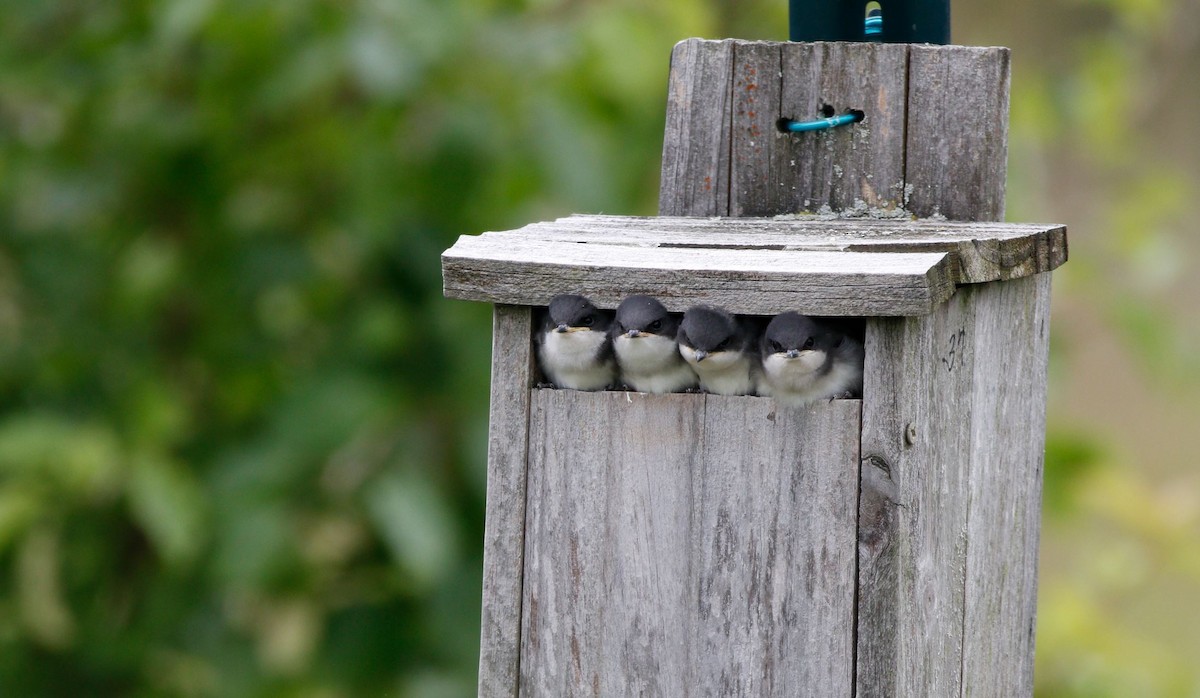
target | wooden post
[
  {"x": 706, "y": 545},
  {"x": 951, "y": 481}
]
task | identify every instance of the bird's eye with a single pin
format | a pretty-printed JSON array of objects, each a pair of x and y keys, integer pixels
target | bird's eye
[
  {"x": 587, "y": 321},
  {"x": 722, "y": 346},
  {"x": 808, "y": 343},
  {"x": 776, "y": 347},
  {"x": 656, "y": 325}
]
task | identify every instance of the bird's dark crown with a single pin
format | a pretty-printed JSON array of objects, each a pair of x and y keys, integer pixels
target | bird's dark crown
[
  {"x": 709, "y": 329},
  {"x": 576, "y": 311},
  {"x": 645, "y": 314},
  {"x": 792, "y": 330}
]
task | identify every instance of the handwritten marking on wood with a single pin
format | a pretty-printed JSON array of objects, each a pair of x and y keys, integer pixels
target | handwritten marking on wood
[
  {"x": 913, "y": 512},
  {"x": 956, "y": 344}
]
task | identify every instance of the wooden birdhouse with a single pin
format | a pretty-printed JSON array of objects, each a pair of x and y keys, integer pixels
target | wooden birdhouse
[{"x": 693, "y": 544}]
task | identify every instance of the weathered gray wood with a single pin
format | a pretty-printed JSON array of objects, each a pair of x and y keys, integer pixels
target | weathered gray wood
[
  {"x": 774, "y": 549},
  {"x": 1009, "y": 425},
  {"x": 695, "y": 161},
  {"x": 934, "y": 141},
  {"x": 953, "y": 425},
  {"x": 879, "y": 609},
  {"x": 849, "y": 167},
  {"x": 504, "y": 527},
  {"x": 689, "y": 545},
  {"x": 957, "y": 137},
  {"x": 981, "y": 251},
  {"x": 700, "y": 545},
  {"x": 606, "y": 561},
  {"x": 742, "y": 281},
  {"x": 916, "y": 444},
  {"x": 771, "y": 172},
  {"x": 756, "y": 81}
]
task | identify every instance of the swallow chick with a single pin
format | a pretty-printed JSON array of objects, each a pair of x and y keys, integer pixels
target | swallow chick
[
  {"x": 574, "y": 350},
  {"x": 804, "y": 361},
  {"x": 643, "y": 338},
  {"x": 720, "y": 349}
]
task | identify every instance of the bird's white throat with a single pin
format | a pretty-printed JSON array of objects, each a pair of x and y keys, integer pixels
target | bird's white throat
[
  {"x": 648, "y": 353},
  {"x": 651, "y": 364},
  {"x": 722, "y": 372},
  {"x": 573, "y": 350},
  {"x": 798, "y": 374}
]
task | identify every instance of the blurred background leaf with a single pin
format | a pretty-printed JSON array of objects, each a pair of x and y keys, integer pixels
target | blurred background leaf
[{"x": 242, "y": 435}]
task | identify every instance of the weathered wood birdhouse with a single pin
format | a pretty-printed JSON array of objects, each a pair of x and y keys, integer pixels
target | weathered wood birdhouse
[{"x": 704, "y": 545}]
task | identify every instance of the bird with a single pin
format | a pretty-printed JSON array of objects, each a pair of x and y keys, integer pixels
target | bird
[
  {"x": 643, "y": 338},
  {"x": 804, "y": 361},
  {"x": 720, "y": 349},
  {"x": 574, "y": 348}
]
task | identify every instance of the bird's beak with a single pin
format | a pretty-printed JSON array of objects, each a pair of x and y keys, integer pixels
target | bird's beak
[
  {"x": 700, "y": 355},
  {"x": 562, "y": 327},
  {"x": 793, "y": 353},
  {"x": 633, "y": 333}
]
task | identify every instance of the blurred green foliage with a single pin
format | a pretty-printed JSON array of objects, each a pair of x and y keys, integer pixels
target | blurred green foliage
[{"x": 241, "y": 434}]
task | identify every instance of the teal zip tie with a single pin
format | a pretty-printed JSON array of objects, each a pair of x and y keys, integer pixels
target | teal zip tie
[{"x": 793, "y": 126}]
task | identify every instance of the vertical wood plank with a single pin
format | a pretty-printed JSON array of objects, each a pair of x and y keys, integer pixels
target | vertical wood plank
[
  {"x": 957, "y": 137},
  {"x": 689, "y": 545},
  {"x": 773, "y": 547},
  {"x": 695, "y": 161},
  {"x": 916, "y": 446},
  {"x": 755, "y": 138},
  {"x": 849, "y": 166},
  {"x": 1009, "y": 426},
  {"x": 504, "y": 527},
  {"x": 880, "y": 547},
  {"x": 607, "y": 562}
]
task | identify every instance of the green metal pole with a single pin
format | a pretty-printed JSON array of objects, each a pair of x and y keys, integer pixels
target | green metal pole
[
  {"x": 916, "y": 21},
  {"x": 898, "y": 21},
  {"x": 824, "y": 20}
]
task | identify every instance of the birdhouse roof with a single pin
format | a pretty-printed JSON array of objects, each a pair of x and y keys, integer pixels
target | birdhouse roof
[{"x": 812, "y": 264}]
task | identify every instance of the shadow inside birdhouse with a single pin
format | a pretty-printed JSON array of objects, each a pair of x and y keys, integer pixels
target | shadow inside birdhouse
[{"x": 641, "y": 346}]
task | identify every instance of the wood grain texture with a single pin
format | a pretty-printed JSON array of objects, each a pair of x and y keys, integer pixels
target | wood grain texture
[
  {"x": 848, "y": 167},
  {"x": 695, "y": 160},
  {"x": 774, "y": 549},
  {"x": 1008, "y": 442},
  {"x": 742, "y": 88},
  {"x": 916, "y": 442},
  {"x": 953, "y": 423},
  {"x": 957, "y": 135},
  {"x": 823, "y": 267},
  {"x": 504, "y": 527},
  {"x": 701, "y": 545},
  {"x": 689, "y": 545},
  {"x": 981, "y": 251},
  {"x": 606, "y": 562},
  {"x": 755, "y": 139},
  {"x": 742, "y": 281},
  {"x": 934, "y": 140}
]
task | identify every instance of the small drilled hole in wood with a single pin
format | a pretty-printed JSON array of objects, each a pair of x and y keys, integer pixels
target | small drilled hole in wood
[
  {"x": 827, "y": 111},
  {"x": 859, "y": 114}
]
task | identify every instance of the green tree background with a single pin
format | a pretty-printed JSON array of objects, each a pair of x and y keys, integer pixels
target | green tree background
[{"x": 241, "y": 433}]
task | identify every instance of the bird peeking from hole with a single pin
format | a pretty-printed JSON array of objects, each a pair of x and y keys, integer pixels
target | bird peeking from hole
[
  {"x": 643, "y": 338},
  {"x": 720, "y": 349},
  {"x": 805, "y": 360},
  {"x": 574, "y": 349}
]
